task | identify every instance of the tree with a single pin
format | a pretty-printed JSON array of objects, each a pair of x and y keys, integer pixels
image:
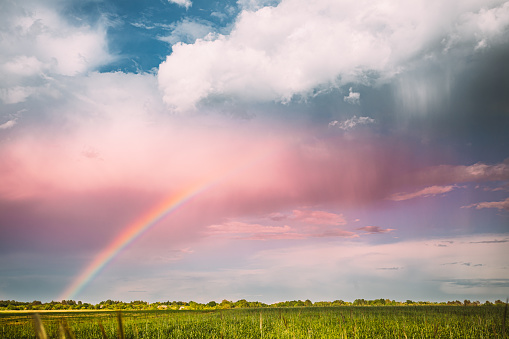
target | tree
[
  {"x": 226, "y": 304},
  {"x": 359, "y": 302},
  {"x": 242, "y": 303}
]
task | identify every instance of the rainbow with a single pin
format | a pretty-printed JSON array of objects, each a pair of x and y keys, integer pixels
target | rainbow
[
  {"x": 127, "y": 236},
  {"x": 144, "y": 223}
]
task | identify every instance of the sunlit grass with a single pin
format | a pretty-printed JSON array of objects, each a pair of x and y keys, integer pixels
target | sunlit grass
[{"x": 311, "y": 322}]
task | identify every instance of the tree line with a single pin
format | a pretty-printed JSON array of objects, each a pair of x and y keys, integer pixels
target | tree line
[{"x": 36, "y": 305}]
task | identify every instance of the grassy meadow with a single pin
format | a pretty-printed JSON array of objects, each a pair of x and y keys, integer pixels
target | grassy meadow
[{"x": 296, "y": 322}]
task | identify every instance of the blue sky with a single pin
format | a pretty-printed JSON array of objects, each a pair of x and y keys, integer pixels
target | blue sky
[{"x": 357, "y": 150}]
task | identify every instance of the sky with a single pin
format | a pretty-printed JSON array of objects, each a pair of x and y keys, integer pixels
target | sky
[{"x": 254, "y": 149}]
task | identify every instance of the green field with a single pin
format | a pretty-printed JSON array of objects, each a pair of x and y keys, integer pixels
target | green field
[{"x": 301, "y": 322}]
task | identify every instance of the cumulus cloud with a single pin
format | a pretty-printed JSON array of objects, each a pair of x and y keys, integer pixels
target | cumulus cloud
[
  {"x": 484, "y": 25},
  {"x": 183, "y": 3},
  {"x": 263, "y": 57},
  {"x": 425, "y": 192},
  {"x": 37, "y": 43},
  {"x": 351, "y": 123},
  {"x": 501, "y": 205},
  {"x": 352, "y": 97},
  {"x": 38, "y": 39},
  {"x": 375, "y": 229}
]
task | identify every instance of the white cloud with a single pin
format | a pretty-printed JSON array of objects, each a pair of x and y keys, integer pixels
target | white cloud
[
  {"x": 352, "y": 122},
  {"x": 353, "y": 97},
  {"x": 15, "y": 94},
  {"x": 8, "y": 124},
  {"x": 482, "y": 26},
  {"x": 187, "y": 31},
  {"x": 274, "y": 53},
  {"x": 415, "y": 268},
  {"x": 359, "y": 267},
  {"x": 37, "y": 44},
  {"x": 253, "y": 5},
  {"x": 183, "y": 3},
  {"x": 39, "y": 39}
]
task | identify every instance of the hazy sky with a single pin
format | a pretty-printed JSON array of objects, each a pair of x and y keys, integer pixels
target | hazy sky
[{"x": 334, "y": 149}]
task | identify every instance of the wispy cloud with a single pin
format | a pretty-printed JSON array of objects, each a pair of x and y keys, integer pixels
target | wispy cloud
[
  {"x": 473, "y": 283},
  {"x": 473, "y": 173},
  {"x": 8, "y": 124},
  {"x": 375, "y": 229},
  {"x": 501, "y": 205},
  {"x": 469, "y": 264},
  {"x": 235, "y": 229},
  {"x": 319, "y": 217},
  {"x": 332, "y": 233},
  {"x": 425, "y": 192},
  {"x": 183, "y": 3},
  {"x": 490, "y": 241},
  {"x": 188, "y": 31},
  {"x": 327, "y": 233},
  {"x": 351, "y": 123}
]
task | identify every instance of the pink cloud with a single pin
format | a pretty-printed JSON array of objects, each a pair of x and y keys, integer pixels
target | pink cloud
[
  {"x": 277, "y": 216},
  {"x": 375, "y": 229},
  {"x": 334, "y": 232},
  {"x": 235, "y": 227},
  {"x": 275, "y": 236},
  {"x": 329, "y": 233},
  {"x": 501, "y": 205},
  {"x": 246, "y": 170},
  {"x": 446, "y": 174},
  {"x": 319, "y": 217},
  {"x": 425, "y": 192}
]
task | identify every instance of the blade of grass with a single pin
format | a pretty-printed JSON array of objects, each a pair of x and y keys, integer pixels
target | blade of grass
[
  {"x": 67, "y": 330},
  {"x": 40, "y": 332},
  {"x": 503, "y": 320},
  {"x": 103, "y": 332},
  {"x": 120, "y": 326}
]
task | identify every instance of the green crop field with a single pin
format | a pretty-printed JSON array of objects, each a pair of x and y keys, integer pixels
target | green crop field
[{"x": 300, "y": 322}]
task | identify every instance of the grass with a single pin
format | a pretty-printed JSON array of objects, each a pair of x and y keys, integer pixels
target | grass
[{"x": 311, "y": 322}]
